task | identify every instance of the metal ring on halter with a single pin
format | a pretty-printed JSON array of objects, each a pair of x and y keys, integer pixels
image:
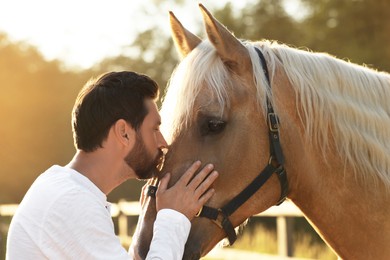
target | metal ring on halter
[
  {"x": 199, "y": 212},
  {"x": 152, "y": 191},
  {"x": 271, "y": 158}
]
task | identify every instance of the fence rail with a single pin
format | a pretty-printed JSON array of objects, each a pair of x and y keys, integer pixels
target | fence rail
[{"x": 123, "y": 209}]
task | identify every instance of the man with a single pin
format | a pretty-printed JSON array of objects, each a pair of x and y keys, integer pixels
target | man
[{"x": 65, "y": 214}]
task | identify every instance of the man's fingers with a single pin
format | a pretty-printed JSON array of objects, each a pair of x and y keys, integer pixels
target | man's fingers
[
  {"x": 164, "y": 183},
  {"x": 186, "y": 177},
  {"x": 205, "y": 197},
  {"x": 205, "y": 185},
  {"x": 198, "y": 179}
]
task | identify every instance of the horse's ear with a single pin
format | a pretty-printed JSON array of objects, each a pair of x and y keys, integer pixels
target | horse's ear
[
  {"x": 228, "y": 47},
  {"x": 185, "y": 41}
]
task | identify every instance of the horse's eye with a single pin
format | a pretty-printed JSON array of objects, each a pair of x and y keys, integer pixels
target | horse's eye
[{"x": 215, "y": 126}]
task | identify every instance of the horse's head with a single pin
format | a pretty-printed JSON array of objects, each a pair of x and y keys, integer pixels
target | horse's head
[
  {"x": 215, "y": 111},
  {"x": 334, "y": 120}
]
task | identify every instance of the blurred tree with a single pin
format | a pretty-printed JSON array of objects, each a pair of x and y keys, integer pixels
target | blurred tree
[
  {"x": 357, "y": 30},
  {"x": 268, "y": 19},
  {"x": 35, "y": 104},
  {"x": 353, "y": 29},
  {"x": 151, "y": 53}
]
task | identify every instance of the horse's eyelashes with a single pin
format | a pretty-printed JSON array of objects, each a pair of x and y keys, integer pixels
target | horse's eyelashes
[
  {"x": 211, "y": 126},
  {"x": 215, "y": 126}
]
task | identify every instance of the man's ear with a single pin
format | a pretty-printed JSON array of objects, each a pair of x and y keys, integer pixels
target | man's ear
[{"x": 124, "y": 133}]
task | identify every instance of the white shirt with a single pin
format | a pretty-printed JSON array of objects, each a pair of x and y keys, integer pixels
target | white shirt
[{"x": 65, "y": 216}]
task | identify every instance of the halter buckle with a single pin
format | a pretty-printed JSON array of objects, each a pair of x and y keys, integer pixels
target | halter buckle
[
  {"x": 273, "y": 122},
  {"x": 219, "y": 219}
]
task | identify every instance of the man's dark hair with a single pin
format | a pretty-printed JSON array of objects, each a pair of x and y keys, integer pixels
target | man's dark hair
[{"x": 101, "y": 102}]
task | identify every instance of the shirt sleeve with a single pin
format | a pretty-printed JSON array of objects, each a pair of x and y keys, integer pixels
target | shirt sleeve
[{"x": 170, "y": 233}]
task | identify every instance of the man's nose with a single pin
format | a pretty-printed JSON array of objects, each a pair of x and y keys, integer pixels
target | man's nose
[{"x": 163, "y": 143}]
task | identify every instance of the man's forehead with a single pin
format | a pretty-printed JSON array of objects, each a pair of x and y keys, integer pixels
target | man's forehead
[
  {"x": 153, "y": 110},
  {"x": 150, "y": 103}
]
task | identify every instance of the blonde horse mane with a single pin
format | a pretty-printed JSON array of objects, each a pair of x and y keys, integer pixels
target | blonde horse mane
[{"x": 339, "y": 101}]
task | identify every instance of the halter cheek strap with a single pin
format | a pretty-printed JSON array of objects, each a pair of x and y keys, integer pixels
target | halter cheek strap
[{"x": 275, "y": 165}]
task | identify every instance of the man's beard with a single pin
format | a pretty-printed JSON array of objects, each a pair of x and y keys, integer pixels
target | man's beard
[{"x": 141, "y": 161}]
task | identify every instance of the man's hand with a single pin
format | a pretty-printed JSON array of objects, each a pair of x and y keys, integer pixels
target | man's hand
[{"x": 187, "y": 196}]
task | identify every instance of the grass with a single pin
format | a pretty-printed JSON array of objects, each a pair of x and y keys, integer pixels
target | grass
[{"x": 261, "y": 238}]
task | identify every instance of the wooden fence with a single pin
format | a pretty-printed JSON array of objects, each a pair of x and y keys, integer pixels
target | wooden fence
[{"x": 122, "y": 210}]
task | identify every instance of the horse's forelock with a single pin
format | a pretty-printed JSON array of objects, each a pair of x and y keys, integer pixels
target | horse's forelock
[{"x": 202, "y": 67}]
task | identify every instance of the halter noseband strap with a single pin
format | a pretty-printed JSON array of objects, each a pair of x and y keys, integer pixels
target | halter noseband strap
[{"x": 275, "y": 165}]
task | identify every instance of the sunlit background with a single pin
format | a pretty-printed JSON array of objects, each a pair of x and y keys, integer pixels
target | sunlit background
[
  {"x": 50, "y": 48},
  {"x": 81, "y": 33}
]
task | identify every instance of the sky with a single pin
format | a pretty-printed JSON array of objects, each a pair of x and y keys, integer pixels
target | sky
[{"x": 83, "y": 32}]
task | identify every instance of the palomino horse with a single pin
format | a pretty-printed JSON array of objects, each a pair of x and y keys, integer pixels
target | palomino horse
[{"x": 330, "y": 117}]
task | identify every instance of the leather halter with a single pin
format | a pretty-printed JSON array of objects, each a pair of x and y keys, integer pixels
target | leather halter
[{"x": 220, "y": 216}]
